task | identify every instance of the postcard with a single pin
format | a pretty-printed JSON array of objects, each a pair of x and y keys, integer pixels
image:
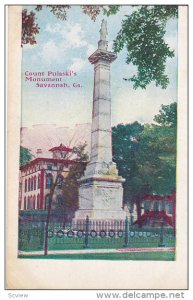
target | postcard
[{"x": 97, "y": 147}]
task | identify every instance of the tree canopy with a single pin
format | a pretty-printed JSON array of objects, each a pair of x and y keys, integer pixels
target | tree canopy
[
  {"x": 167, "y": 115},
  {"x": 146, "y": 155},
  {"x": 125, "y": 145},
  {"x": 25, "y": 156},
  {"x": 142, "y": 34}
]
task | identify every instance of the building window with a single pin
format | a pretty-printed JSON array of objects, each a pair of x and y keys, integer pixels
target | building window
[
  {"x": 29, "y": 185},
  {"x": 31, "y": 202},
  {"x": 38, "y": 201},
  {"x": 170, "y": 208},
  {"x": 25, "y": 204},
  {"x": 49, "y": 167},
  {"x": 49, "y": 181},
  {"x": 162, "y": 206},
  {"x": 146, "y": 205},
  {"x": 156, "y": 205},
  {"x": 38, "y": 181},
  {"x": 62, "y": 154},
  {"x": 26, "y": 185},
  {"x": 60, "y": 181},
  {"x": 61, "y": 167},
  {"x": 34, "y": 182},
  {"x": 34, "y": 202},
  {"x": 28, "y": 202}
]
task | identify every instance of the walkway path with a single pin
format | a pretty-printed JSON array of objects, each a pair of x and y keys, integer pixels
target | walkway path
[{"x": 85, "y": 251}]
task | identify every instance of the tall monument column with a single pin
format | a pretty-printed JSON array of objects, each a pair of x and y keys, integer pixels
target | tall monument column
[
  {"x": 100, "y": 192},
  {"x": 101, "y": 145}
]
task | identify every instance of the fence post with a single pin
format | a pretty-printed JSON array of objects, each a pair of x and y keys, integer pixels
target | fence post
[
  {"x": 131, "y": 217},
  {"x": 43, "y": 234},
  {"x": 20, "y": 242},
  {"x": 86, "y": 241},
  {"x": 30, "y": 231},
  {"x": 161, "y": 243},
  {"x": 126, "y": 232}
]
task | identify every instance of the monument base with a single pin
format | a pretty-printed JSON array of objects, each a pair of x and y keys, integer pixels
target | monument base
[
  {"x": 100, "y": 198},
  {"x": 100, "y": 215}
]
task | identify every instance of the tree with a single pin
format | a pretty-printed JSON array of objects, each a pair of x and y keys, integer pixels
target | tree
[
  {"x": 69, "y": 199},
  {"x": 125, "y": 145},
  {"x": 167, "y": 115},
  {"x": 156, "y": 159},
  {"x": 70, "y": 196},
  {"x": 146, "y": 157},
  {"x": 29, "y": 28},
  {"x": 142, "y": 33},
  {"x": 60, "y": 11},
  {"x": 25, "y": 156}
]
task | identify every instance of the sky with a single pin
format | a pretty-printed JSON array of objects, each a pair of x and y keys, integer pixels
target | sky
[{"x": 64, "y": 45}]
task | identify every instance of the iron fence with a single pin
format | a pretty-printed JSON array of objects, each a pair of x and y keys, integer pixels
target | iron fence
[
  {"x": 92, "y": 234},
  {"x": 31, "y": 236}
]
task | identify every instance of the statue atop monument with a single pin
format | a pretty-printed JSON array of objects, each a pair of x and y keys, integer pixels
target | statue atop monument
[
  {"x": 102, "y": 43},
  {"x": 103, "y": 30}
]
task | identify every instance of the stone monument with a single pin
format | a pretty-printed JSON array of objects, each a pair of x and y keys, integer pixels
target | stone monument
[{"x": 101, "y": 192}]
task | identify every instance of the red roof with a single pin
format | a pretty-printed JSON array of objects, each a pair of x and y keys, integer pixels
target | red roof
[
  {"x": 53, "y": 160},
  {"x": 156, "y": 215},
  {"x": 61, "y": 148}
]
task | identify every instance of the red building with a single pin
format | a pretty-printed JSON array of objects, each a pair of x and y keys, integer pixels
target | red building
[
  {"x": 158, "y": 209},
  {"x": 37, "y": 176}
]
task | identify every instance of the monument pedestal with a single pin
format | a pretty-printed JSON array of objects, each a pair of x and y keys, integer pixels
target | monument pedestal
[{"x": 100, "y": 198}]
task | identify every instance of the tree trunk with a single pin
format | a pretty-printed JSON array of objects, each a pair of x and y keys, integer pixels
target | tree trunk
[
  {"x": 138, "y": 206},
  {"x": 48, "y": 215}
]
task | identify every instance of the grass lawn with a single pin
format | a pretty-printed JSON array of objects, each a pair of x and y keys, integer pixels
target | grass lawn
[
  {"x": 96, "y": 243},
  {"x": 169, "y": 256}
]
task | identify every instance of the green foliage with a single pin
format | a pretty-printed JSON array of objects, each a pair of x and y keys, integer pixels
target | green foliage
[
  {"x": 111, "y": 10},
  {"x": 146, "y": 155},
  {"x": 25, "y": 156},
  {"x": 125, "y": 145},
  {"x": 156, "y": 159},
  {"x": 59, "y": 11},
  {"x": 167, "y": 115},
  {"x": 142, "y": 34}
]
